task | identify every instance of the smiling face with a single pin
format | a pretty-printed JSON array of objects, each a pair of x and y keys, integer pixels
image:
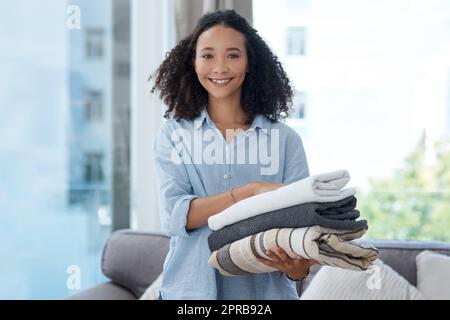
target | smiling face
[{"x": 221, "y": 61}]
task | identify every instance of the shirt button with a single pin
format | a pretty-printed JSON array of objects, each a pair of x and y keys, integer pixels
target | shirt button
[{"x": 226, "y": 176}]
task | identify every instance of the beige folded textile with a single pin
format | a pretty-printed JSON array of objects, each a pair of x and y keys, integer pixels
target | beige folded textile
[{"x": 327, "y": 246}]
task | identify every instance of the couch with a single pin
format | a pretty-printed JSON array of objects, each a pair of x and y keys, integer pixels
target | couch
[{"x": 132, "y": 260}]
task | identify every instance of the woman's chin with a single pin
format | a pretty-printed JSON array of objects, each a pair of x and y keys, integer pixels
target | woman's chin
[{"x": 218, "y": 94}]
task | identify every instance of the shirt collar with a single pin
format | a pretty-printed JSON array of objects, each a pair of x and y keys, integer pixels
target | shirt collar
[
  {"x": 198, "y": 122},
  {"x": 260, "y": 121}
]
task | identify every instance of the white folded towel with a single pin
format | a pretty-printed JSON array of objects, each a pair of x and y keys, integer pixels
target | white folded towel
[{"x": 324, "y": 187}]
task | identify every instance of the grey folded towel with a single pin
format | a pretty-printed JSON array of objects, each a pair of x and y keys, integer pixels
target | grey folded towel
[{"x": 340, "y": 215}]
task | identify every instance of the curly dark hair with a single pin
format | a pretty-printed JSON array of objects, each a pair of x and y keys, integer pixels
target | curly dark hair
[{"x": 265, "y": 90}]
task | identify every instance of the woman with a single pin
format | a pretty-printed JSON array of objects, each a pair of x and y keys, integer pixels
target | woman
[{"x": 225, "y": 91}]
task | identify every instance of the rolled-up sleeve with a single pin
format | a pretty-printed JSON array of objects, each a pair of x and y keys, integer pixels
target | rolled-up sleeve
[
  {"x": 174, "y": 186},
  {"x": 296, "y": 164}
]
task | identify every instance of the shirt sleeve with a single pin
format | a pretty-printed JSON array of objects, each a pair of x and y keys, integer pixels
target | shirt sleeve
[
  {"x": 296, "y": 164},
  {"x": 175, "y": 190}
]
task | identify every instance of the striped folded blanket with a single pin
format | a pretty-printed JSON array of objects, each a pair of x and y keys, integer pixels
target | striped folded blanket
[
  {"x": 327, "y": 246},
  {"x": 334, "y": 215},
  {"x": 326, "y": 187}
]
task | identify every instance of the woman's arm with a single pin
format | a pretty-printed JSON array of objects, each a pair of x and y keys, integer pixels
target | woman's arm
[{"x": 201, "y": 209}]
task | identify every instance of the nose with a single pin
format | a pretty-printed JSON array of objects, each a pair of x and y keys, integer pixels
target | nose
[{"x": 220, "y": 66}]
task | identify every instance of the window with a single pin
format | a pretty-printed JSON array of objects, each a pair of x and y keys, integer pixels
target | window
[
  {"x": 93, "y": 105},
  {"x": 299, "y": 106},
  {"x": 297, "y": 5},
  {"x": 447, "y": 126},
  {"x": 295, "y": 40},
  {"x": 56, "y": 170},
  {"x": 377, "y": 102},
  {"x": 93, "y": 168},
  {"x": 94, "y": 43}
]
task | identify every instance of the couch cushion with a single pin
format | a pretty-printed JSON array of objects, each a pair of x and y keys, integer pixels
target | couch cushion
[
  {"x": 433, "y": 275},
  {"x": 400, "y": 255},
  {"x": 379, "y": 283},
  {"x": 134, "y": 259}
]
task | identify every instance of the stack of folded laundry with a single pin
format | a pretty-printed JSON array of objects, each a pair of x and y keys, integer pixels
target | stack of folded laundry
[{"x": 314, "y": 218}]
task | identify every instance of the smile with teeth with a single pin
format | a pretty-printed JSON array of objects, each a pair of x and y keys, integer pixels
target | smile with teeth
[{"x": 220, "y": 82}]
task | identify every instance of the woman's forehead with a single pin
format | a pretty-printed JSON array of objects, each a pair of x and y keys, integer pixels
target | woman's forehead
[{"x": 221, "y": 38}]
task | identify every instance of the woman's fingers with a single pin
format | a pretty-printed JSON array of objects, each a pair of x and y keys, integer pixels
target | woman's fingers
[
  {"x": 281, "y": 261},
  {"x": 281, "y": 254},
  {"x": 279, "y": 257},
  {"x": 273, "y": 256},
  {"x": 266, "y": 261},
  {"x": 274, "y": 260}
]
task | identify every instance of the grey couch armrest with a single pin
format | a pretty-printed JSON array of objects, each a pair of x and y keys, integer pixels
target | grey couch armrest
[
  {"x": 134, "y": 259},
  {"x": 104, "y": 291}
]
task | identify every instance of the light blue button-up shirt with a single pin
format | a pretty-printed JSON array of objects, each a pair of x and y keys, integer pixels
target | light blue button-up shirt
[{"x": 192, "y": 160}]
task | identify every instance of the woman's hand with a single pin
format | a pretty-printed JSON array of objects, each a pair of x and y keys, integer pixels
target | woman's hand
[
  {"x": 297, "y": 268},
  {"x": 263, "y": 186}
]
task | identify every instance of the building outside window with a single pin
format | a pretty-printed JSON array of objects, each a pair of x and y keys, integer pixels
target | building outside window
[
  {"x": 296, "y": 41},
  {"x": 93, "y": 167},
  {"x": 94, "y": 43},
  {"x": 299, "y": 105},
  {"x": 93, "y": 105}
]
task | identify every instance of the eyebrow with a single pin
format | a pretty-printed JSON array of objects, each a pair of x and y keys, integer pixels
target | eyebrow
[{"x": 212, "y": 49}]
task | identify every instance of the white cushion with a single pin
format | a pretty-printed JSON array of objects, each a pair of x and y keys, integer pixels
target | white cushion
[
  {"x": 152, "y": 292},
  {"x": 380, "y": 282},
  {"x": 433, "y": 275}
]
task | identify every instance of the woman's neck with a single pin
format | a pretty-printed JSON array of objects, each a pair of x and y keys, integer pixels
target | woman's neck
[{"x": 227, "y": 112}]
